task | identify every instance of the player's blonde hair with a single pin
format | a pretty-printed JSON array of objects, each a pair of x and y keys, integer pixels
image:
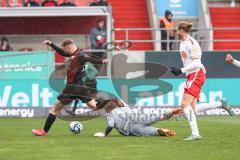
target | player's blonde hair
[
  {"x": 186, "y": 26},
  {"x": 67, "y": 42}
]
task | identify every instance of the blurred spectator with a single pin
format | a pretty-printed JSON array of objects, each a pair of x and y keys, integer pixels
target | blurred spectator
[
  {"x": 103, "y": 3},
  {"x": 31, "y": 3},
  {"x": 14, "y": 3},
  {"x": 99, "y": 3},
  {"x": 26, "y": 49},
  {"x": 94, "y": 3},
  {"x": 166, "y": 23},
  {"x": 98, "y": 38},
  {"x": 5, "y": 46},
  {"x": 49, "y": 3},
  {"x": 67, "y": 3}
]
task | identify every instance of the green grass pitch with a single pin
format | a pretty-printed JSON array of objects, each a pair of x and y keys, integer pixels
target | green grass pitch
[{"x": 221, "y": 140}]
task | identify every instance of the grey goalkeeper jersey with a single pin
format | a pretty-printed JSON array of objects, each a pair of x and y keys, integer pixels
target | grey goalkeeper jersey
[
  {"x": 119, "y": 119},
  {"x": 128, "y": 121}
]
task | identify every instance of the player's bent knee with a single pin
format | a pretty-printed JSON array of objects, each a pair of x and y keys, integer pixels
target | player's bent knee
[
  {"x": 53, "y": 111},
  {"x": 184, "y": 104},
  {"x": 92, "y": 104},
  {"x": 187, "y": 100}
]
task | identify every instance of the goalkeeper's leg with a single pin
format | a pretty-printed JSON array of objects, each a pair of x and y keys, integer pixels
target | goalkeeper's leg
[
  {"x": 142, "y": 130},
  {"x": 147, "y": 119}
]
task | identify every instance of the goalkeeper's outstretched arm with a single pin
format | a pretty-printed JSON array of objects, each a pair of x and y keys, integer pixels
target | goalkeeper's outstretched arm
[
  {"x": 110, "y": 124},
  {"x": 108, "y": 130}
]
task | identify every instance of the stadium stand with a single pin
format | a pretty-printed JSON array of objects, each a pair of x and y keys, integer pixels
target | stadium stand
[
  {"x": 135, "y": 14},
  {"x": 20, "y": 3},
  {"x": 226, "y": 17},
  {"x": 31, "y": 28},
  {"x": 132, "y": 14},
  {"x": 12, "y": 3}
]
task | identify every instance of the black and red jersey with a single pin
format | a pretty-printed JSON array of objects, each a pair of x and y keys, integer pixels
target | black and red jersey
[{"x": 75, "y": 69}]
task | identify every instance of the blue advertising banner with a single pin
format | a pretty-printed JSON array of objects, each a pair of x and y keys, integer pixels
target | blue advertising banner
[
  {"x": 38, "y": 93},
  {"x": 26, "y": 65},
  {"x": 179, "y": 8}
]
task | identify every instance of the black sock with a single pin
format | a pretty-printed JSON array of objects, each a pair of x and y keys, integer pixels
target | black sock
[
  {"x": 75, "y": 105},
  {"x": 101, "y": 103},
  {"x": 50, "y": 120}
]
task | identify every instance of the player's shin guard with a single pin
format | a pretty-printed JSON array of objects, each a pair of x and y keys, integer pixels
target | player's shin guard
[
  {"x": 50, "y": 120},
  {"x": 191, "y": 117}
]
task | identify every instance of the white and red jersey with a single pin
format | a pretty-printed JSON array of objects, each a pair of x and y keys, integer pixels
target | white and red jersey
[{"x": 191, "y": 50}]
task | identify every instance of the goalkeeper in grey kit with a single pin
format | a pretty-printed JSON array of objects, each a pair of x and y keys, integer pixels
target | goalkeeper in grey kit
[{"x": 128, "y": 123}]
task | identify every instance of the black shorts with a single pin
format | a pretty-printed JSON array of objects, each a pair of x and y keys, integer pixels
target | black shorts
[
  {"x": 72, "y": 92},
  {"x": 91, "y": 86}
]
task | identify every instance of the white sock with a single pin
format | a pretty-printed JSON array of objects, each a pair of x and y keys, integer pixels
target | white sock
[
  {"x": 191, "y": 117},
  {"x": 206, "y": 106}
]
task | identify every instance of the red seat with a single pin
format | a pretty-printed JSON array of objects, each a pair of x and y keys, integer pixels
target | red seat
[
  {"x": 132, "y": 14},
  {"x": 226, "y": 18}
]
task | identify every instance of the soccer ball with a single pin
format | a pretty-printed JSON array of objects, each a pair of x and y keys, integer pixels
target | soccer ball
[{"x": 75, "y": 127}]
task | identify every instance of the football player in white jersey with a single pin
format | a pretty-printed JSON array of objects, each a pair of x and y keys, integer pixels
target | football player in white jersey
[{"x": 191, "y": 53}]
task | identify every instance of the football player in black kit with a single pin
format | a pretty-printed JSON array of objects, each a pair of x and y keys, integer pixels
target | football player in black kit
[{"x": 73, "y": 88}]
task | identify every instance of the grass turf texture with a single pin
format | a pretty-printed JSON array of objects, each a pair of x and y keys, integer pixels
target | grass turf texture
[{"x": 221, "y": 140}]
